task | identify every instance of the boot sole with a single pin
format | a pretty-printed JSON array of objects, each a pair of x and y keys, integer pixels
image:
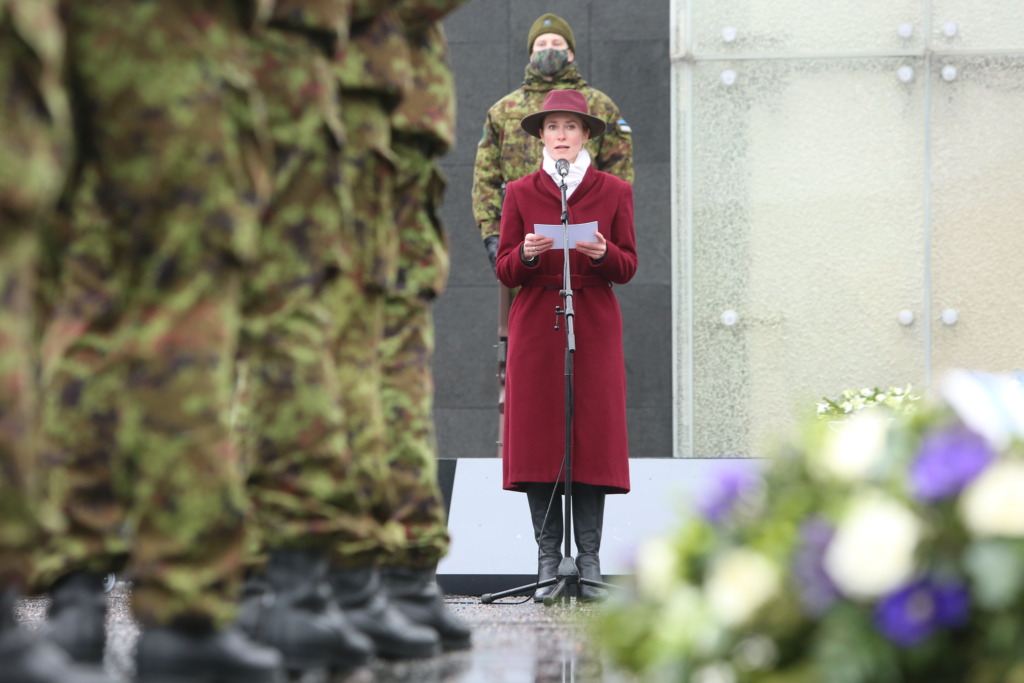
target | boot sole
[
  {"x": 298, "y": 664},
  {"x": 454, "y": 645},
  {"x": 420, "y": 651},
  {"x": 206, "y": 677},
  {"x": 90, "y": 656}
]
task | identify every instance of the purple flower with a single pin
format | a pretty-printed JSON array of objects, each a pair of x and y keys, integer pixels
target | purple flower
[
  {"x": 947, "y": 461},
  {"x": 816, "y": 590},
  {"x": 915, "y": 612},
  {"x": 732, "y": 481}
]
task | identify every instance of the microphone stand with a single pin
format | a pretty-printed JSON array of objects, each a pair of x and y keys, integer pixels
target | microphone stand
[{"x": 568, "y": 573}]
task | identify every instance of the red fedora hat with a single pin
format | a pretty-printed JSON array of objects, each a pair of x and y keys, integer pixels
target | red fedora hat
[{"x": 566, "y": 102}]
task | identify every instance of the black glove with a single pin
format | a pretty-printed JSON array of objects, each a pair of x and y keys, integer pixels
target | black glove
[{"x": 491, "y": 245}]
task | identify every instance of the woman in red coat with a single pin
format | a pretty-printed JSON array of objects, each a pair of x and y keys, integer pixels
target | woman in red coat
[{"x": 534, "y": 436}]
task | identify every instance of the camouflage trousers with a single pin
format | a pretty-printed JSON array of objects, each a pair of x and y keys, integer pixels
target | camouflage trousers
[
  {"x": 357, "y": 303},
  {"x": 407, "y": 396},
  {"x": 20, "y": 531},
  {"x": 288, "y": 410},
  {"x": 139, "y": 453},
  {"x": 385, "y": 349},
  {"x": 407, "y": 351}
]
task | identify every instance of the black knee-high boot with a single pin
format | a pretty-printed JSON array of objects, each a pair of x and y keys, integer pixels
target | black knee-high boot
[
  {"x": 547, "y": 530},
  {"x": 588, "y": 519}
]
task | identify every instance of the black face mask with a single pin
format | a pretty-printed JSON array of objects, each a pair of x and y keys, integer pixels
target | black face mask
[{"x": 549, "y": 62}]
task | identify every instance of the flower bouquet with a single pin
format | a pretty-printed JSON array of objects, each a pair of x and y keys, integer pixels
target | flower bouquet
[{"x": 884, "y": 543}]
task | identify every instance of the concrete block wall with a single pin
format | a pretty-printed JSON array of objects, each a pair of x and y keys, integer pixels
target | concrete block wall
[{"x": 622, "y": 49}]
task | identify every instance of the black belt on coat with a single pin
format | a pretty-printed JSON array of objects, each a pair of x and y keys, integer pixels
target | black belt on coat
[{"x": 577, "y": 281}]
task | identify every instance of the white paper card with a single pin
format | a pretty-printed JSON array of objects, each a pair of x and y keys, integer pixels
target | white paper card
[{"x": 578, "y": 232}]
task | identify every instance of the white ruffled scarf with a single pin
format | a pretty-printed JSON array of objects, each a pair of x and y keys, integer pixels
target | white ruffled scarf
[{"x": 576, "y": 170}]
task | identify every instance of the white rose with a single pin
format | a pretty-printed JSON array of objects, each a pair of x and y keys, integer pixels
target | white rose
[
  {"x": 872, "y": 552},
  {"x": 719, "y": 672},
  {"x": 685, "y": 624},
  {"x": 740, "y": 582},
  {"x": 993, "y": 503},
  {"x": 657, "y": 570},
  {"x": 854, "y": 449}
]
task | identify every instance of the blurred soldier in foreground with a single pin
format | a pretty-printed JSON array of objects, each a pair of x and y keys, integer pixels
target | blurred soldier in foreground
[
  {"x": 398, "y": 108},
  {"x": 138, "y": 357},
  {"x": 423, "y": 129},
  {"x": 373, "y": 72},
  {"x": 289, "y": 408},
  {"x": 35, "y": 145}
]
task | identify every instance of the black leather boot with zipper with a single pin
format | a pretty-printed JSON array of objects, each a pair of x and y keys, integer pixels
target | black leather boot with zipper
[{"x": 588, "y": 523}]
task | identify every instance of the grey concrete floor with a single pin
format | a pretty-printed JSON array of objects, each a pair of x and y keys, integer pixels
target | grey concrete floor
[{"x": 514, "y": 641}]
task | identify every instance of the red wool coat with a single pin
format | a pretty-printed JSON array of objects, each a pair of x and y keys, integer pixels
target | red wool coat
[{"x": 534, "y": 436}]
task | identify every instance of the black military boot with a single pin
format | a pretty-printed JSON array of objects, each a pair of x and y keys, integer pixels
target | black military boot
[
  {"x": 547, "y": 530},
  {"x": 290, "y": 608},
  {"x": 362, "y": 598},
  {"x": 198, "y": 653},
  {"x": 588, "y": 518},
  {"x": 415, "y": 592},
  {"x": 27, "y": 657},
  {"x": 78, "y": 616}
]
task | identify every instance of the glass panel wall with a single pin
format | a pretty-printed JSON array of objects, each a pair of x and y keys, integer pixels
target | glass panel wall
[
  {"x": 787, "y": 27},
  {"x": 977, "y": 212},
  {"x": 837, "y": 189}
]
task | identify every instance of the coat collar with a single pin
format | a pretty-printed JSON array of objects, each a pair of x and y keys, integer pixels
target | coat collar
[{"x": 543, "y": 182}]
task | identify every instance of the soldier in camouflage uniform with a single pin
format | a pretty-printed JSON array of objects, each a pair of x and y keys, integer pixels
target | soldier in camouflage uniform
[
  {"x": 288, "y": 407},
  {"x": 138, "y": 357},
  {"x": 423, "y": 129},
  {"x": 506, "y": 153},
  {"x": 35, "y": 148},
  {"x": 373, "y": 73}
]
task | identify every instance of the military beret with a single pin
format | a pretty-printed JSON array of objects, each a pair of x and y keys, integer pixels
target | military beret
[{"x": 549, "y": 23}]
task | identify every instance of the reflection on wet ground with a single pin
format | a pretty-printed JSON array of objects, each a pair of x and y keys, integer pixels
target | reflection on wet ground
[{"x": 515, "y": 641}]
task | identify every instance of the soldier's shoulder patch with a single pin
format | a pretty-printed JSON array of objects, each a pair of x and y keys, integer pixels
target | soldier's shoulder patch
[{"x": 624, "y": 127}]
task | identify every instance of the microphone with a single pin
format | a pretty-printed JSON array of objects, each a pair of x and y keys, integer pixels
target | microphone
[{"x": 562, "y": 166}]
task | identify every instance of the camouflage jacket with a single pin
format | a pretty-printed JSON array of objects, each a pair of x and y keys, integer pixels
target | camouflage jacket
[
  {"x": 35, "y": 118},
  {"x": 506, "y": 153}
]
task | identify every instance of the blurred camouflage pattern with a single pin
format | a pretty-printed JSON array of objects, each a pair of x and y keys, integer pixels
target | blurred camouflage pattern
[
  {"x": 288, "y": 414},
  {"x": 406, "y": 356},
  {"x": 423, "y": 130},
  {"x": 506, "y": 152},
  {"x": 398, "y": 97},
  {"x": 35, "y": 146},
  {"x": 371, "y": 71},
  {"x": 138, "y": 357}
]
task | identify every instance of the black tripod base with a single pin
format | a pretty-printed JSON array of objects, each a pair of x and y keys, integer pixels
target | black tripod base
[
  {"x": 568, "y": 575},
  {"x": 488, "y": 598}
]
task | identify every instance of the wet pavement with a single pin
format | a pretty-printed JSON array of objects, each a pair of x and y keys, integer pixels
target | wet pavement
[{"x": 514, "y": 641}]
